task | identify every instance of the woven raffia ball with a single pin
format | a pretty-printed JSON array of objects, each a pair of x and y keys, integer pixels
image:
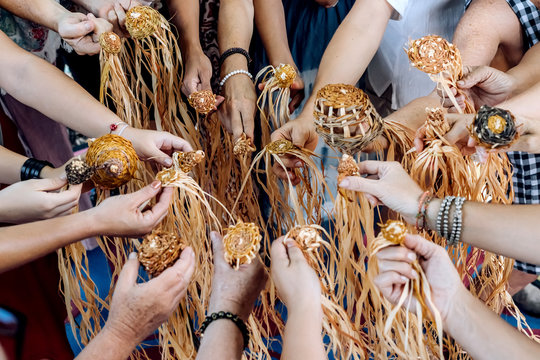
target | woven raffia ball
[
  {"x": 285, "y": 75},
  {"x": 188, "y": 160},
  {"x": 113, "y": 159},
  {"x": 345, "y": 118},
  {"x": 307, "y": 237},
  {"x": 142, "y": 21},
  {"x": 158, "y": 251},
  {"x": 78, "y": 171},
  {"x": 432, "y": 54},
  {"x": 241, "y": 243},
  {"x": 394, "y": 231},
  {"x": 203, "y": 101},
  {"x": 347, "y": 167},
  {"x": 110, "y": 42},
  {"x": 243, "y": 146},
  {"x": 436, "y": 123},
  {"x": 493, "y": 127},
  {"x": 280, "y": 147}
]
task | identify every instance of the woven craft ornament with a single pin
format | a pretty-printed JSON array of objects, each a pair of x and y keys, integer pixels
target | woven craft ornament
[
  {"x": 158, "y": 251},
  {"x": 203, "y": 101},
  {"x": 241, "y": 244},
  {"x": 111, "y": 161},
  {"x": 494, "y": 128},
  {"x": 142, "y": 21},
  {"x": 345, "y": 118},
  {"x": 243, "y": 146}
]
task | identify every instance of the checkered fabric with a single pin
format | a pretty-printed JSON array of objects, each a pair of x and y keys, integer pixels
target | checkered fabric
[{"x": 526, "y": 166}]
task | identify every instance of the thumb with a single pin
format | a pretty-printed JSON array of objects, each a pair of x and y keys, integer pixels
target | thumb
[
  {"x": 145, "y": 194},
  {"x": 76, "y": 27},
  {"x": 50, "y": 184},
  {"x": 296, "y": 255},
  {"x": 129, "y": 273},
  {"x": 278, "y": 254},
  {"x": 420, "y": 246}
]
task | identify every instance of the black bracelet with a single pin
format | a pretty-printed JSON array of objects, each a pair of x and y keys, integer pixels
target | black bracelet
[
  {"x": 229, "y": 316},
  {"x": 31, "y": 168},
  {"x": 233, "y": 51}
]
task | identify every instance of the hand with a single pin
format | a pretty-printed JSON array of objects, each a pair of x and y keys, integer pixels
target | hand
[
  {"x": 237, "y": 112},
  {"x": 155, "y": 145},
  {"x": 483, "y": 85},
  {"x": 198, "y": 72},
  {"x": 234, "y": 290},
  {"x": 114, "y": 11},
  {"x": 389, "y": 184},
  {"x": 122, "y": 215},
  {"x": 297, "y": 92},
  {"x": 301, "y": 132},
  {"x": 296, "y": 282},
  {"x": 139, "y": 309},
  {"x": 457, "y": 135},
  {"x": 77, "y": 30},
  {"x": 395, "y": 270},
  {"x": 37, "y": 199}
]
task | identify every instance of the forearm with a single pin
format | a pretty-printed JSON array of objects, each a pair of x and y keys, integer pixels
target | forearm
[
  {"x": 483, "y": 334},
  {"x": 303, "y": 334},
  {"x": 185, "y": 16},
  {"x": 21, "y": 244},
  {"x": 43, "y": 87},
  {"x": 106, "y": 346},
  {"x": 222, "y": 339},
  {"x": 527, "y": 72},
  {"x": 235, "y": 29},
  {"x": 44, "y": 12},
  {"x": 352, "y": 47},
  {"x": 494, "y": 227},
  {"x": 413, "y": 115},
  {"x": 270, "y": 21}
]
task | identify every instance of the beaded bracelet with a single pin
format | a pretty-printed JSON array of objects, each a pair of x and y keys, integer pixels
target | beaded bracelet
[
  {"x": 423, "y": 204},
  {"x": 233, "y": 73},
  {"x": 457, "y": 221},
  {"x": 229, "y": 316},
  {"x": 31, "y": 168},
  {"x": 446, "y": 216},
  {"x": 444, "y": 205},
  {"x": 233, "y": 51}
]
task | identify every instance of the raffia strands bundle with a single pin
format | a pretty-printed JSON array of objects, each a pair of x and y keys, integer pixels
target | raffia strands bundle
[
  {"x": 273, "y": 102},
  {"x": 155, "y": 51},
  {"x": 402, "y": 332},
  {"x": 346, "y": 342}
]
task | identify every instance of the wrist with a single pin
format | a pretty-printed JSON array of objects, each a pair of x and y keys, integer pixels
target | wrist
[
  {"x": 236, "y": 307},
  {"x": 457, "y": 313},
  {"x": 234, "y": 62},
  {"x": 191, "y": 46},
  {"x": 47, "y": 172},
  {"x": 118, "y": 338}
]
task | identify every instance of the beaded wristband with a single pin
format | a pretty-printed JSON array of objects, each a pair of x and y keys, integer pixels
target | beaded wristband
[
  {"x": 31, "y": 169},
  {"x": 446, "y": 215},
  {"x": 444, "y": 203},
  {"x": 233, "y": 73},
  {"x": 229, "y": 316},
  {"x": 455, "y": 235},
  {"x": 233, "y": 51},
  {"x": 423, "y": 204}
]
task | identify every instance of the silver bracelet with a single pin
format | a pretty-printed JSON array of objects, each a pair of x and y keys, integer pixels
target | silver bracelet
[
  {"x": 440, "y": 215},
  {"x": 446, "y": 215},
  {"x": 232, "y": 73},
  {"x": 457, "y": 222}
]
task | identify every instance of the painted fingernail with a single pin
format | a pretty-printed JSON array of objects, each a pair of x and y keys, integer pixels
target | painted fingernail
[
  {"x": 132, "y": 256},
  {"x": 344, "y": 183},
  {"x": 411, "y": 256},
  {"x": 156, "y": 184}
]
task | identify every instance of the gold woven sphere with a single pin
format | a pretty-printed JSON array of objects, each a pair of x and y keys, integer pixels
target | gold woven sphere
[
  {"x": 280, "y": 147},
  {"x": 110, "y": 42},
  {"x": 243, "y": 146},
  {"x": 307, "y": 237},
  {"x": 394, "y": 231},
  {"x": 113, "y": 159},
  {"x": 241, "y": 244},
  {"x": 433, "y": 55},
  {"x": 203, "y": 101},
  {"x": 142, "y": 21},
  {"x": 158, "y": 251},
  {"x": 285, "y": 75},
  {"x": 347, "y": 167}
]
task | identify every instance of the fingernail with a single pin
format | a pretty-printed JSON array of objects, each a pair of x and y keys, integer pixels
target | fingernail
[
  {"x": 88, "y": 26},
  {"x": 188, "y": 252},
  {"x": 156, "y": 184},
  {"x": 168, "y": 162},
  {"x": 298, "y": 164},
  {"x": 289, "y": 243},
  {"x": 411, "y": 256},
  {"x": 63, "y": 176},
  {"x": 111, "y": 15},
  {"x": 415, "y": 274},
  {"x": 461, "y": 82},
  {"x": 213, "y": 236},
  {"x": 344, "y": 183},
  {"x": 403, "y": 278},
  {"x": 132, "y": 256}
]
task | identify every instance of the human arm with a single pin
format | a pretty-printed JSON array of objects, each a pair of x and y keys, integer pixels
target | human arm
[
  {"x": 234, "y": 291},
  {"x": 43, "y": 87},
  {"x": 299, "y": 288},
  {"x": 138, "y": 309},
  {"x": 235, "y": 28},
  {"x": 116, "y": 216},
  {"x": 482, "y": 226},
  {"x": 480, "y": 331}
]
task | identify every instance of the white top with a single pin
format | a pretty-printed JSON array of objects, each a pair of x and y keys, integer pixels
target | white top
[{"x": 390, "y": 65}]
